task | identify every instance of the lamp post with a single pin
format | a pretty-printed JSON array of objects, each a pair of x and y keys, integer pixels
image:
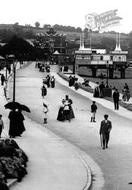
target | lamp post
[{"x": 107, "y": 66}]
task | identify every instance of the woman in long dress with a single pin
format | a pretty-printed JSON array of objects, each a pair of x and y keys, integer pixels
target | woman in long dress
[
  {"x": 13, "y": 126},
  {"x": 60, "y": 116},
  {"x": 20, "y": 120},
  {"x": 70, "y": 102}
]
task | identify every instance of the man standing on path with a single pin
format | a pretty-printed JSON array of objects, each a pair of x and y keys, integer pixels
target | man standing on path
[
  {"x": 105, "y": 129},
  {"x": 116, "y": 99},
  {"x": 93, "y": 111}
]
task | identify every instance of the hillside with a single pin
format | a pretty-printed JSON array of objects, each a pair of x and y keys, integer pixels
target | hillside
[{"x": 105, "y": 40}]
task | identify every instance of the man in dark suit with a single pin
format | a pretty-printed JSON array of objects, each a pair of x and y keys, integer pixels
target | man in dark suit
[
  {"x": 105, "y": 128},
  {"x": 116, "y": 96}
]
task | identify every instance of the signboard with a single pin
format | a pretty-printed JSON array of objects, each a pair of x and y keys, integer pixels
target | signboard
[
  {"x": 101, "y": 62},
  {"x": 102, "y": 21}
]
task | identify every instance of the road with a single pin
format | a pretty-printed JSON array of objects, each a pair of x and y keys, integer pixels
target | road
[{"x": 116, "y": 161}]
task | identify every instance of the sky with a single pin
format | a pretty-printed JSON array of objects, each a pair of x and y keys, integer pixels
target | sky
[{"x": 63, "y": 12}]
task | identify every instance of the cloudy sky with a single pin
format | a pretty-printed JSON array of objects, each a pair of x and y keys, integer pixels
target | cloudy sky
[{"x": 64, "y": 12}]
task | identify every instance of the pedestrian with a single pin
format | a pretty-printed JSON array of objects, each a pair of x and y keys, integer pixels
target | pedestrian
[
  {"x": 13, "y": 126},
  {"x": 101, "y": 89},
  {"x": 43, "y": 91},
  {"x": 71, "y": 81},
  {"x": 67, "y": 110},
  {"x": 2, "y": 79},
  {"x": 68, "y": 103},
  {"x": 48, "y": 80},
  {"x": 76, "y": 85},
  {"x": 52, "y": 82},
  {"x": 96, "y": 92},
  {"x": 116, "y": 96},
  {"x": 93, "y": 111},
  {"x": 1, "y": 125},
  {"x": 60, "y": 116},
  {"x": 126, "y": 86},
  {"x": 105, "y": 128},
  {"x": 20, "y": 120},
  {"x": 45, "y": 111}
]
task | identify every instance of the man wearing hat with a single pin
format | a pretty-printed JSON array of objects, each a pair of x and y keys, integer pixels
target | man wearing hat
[
  {"x": 105, "y": 128},
  {"x": 93, "y": 111}
]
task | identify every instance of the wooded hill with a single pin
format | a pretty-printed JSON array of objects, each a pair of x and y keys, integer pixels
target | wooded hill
[{"x": 105, "y": 40}]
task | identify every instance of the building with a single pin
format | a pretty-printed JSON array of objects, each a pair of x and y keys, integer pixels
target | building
[{"x": 99, "y": 59}]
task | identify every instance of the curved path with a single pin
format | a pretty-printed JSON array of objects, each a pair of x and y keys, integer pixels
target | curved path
[{"x": 115, "y": 162}]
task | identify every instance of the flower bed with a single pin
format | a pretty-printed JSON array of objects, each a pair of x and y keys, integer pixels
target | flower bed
[{"x": 13, "y": 161}]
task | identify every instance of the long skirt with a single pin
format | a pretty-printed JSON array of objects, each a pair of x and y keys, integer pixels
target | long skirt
[
  {"x": 71, "y": 113},
  {"x": 60, "y": 116}
]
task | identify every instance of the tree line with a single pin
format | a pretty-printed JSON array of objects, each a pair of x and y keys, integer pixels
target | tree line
[{"x": 16, "y": 32}]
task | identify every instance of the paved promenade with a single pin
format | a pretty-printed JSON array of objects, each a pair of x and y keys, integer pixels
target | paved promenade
[
  {"x": 53, "y": 162},
  {"x": 83, "y": 134}
]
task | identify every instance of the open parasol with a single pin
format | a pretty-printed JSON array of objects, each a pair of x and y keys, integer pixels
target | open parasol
[
  {"x": 24, "y": 108},
  {"x": 12, "y": 105}
]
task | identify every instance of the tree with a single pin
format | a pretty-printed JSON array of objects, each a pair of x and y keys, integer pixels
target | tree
[
  {"x": 46, "y": 26},
  {"x": 78, "y": 29},
  {"x": 37, "y": 24},
  {"x": 19, "y": 47}
]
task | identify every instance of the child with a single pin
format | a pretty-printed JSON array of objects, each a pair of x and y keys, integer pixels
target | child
[
  {"x": 93, "y": 111},
  {"x": 1, "y": 124},
  {"x": 45, "y": 110}
]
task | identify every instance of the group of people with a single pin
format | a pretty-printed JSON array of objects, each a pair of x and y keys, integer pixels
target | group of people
[
  {"x": 43, "y": 67},
  {"x": 66, "y": 111},
  {"x": 73, "y": 81},
  {"x": 49, "y": 81},
  {"x": 98, "y": 90}
]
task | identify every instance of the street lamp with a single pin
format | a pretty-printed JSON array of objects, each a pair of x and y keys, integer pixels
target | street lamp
[{"x": 107, "y": 66}]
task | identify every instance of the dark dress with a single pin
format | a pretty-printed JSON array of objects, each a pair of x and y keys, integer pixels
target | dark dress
[
  {"x": 60, "y": 116},
  {"x": 96, "y": 92},
  {"x": 71, "y": 109},
  {"x": 71, "y": 113},
  {"x": 20, "y": 120},
  {"x": 16, "y": 124},
  {"x": 13, "y": 128}
]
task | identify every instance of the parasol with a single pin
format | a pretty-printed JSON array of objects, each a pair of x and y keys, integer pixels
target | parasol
[
  {"x": 12, "y": 105},
  {"x": 24, "y": 108}
]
